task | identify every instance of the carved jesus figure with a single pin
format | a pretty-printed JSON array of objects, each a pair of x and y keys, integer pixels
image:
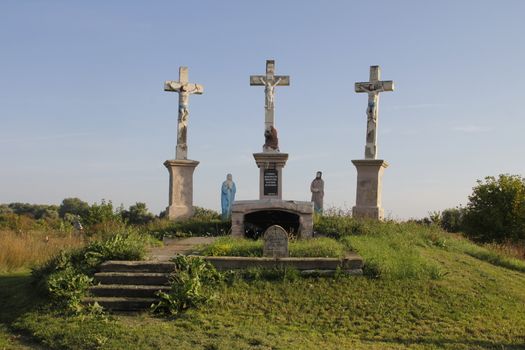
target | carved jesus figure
[{"x": 269, "y": 91}]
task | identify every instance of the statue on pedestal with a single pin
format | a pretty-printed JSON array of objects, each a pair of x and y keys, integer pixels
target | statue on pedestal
[
  {"x": 227, "y": 197},
  {"x": 317, "y": 189}
]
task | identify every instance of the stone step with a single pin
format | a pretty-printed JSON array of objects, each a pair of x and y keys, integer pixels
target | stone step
[
  {"x": 122, "y": 303},
  {"x": 137, "y": 266},
  {"x": 351, "y": 262},
  {"x": 125, "y": 290},
  {"x": 134, "y": 278}
]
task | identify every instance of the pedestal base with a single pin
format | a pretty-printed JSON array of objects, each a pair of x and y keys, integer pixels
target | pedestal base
[
  {"x": 369, "y": 187},
  {"x": 181, "y": 188},
  {"x": 271, "y": 166}
]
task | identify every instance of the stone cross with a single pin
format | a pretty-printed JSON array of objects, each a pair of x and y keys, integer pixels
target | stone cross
[
  {"x": 185, "y": 89},
  {"x": 373, "y": 88},
  {"x": 269, "y": 81}
]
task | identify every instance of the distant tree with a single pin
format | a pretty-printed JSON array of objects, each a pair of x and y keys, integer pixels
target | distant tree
[
  {"x": 496, "y": 209},
  {"x": 452, "y": 219},
  {"x": 35, "y": 211},
  {"x": 137, "y": 214},
  {"x": 100, "y": 213},
  {"x": 74, "y": 206},
  {"x": 4, "y": 209}
]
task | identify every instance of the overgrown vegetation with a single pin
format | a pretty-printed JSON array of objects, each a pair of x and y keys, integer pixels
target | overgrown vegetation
[
  {"x": 424, "y": 288},
  {"x": 203, "y": 223},
  {"x": 31, "y": 248},
  {"x": 192, "y": 283},
  {"x": 67, "y": 276},
  {"x": 475, "y": 305},
  {"x": 316, "y": 247},
  {"x": 32, "y": 233},
  {"x": 495, "y": 212}
]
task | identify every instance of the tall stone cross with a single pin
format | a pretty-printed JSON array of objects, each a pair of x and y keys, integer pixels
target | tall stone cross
[
  {"x": 269, "y": 81},
  {"x": 373, "y": 88},
  {"x": 185, "y": 89}
]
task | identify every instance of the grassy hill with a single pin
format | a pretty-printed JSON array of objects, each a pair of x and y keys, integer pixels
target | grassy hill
[{"x": 423, "y": 289}]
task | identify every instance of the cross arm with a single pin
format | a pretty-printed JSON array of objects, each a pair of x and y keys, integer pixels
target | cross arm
[
  {"x": 284, "y": 80},
  {"x": 188, "y": 87},
  {"x": 170, "y": 85},
  {"x": 374, "y": 86}
]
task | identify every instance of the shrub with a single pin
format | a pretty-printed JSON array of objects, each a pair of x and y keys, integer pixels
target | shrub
[
  {"x": 137, "y": 214},
  {"x": 101, "y": 213},
  {"x": 196, "y": 226},
  {"x": 452, "y": 219},
  {"x": 35, "y": 211},
  {"x": 74, "y": 206},
  {"x": 496, "y": 209},
  {"x": 191, "y": 285},
  {"x": 67, "y": 276},
  {"x": 205, "y": 214},
  {"x": 67, "y": 287}
]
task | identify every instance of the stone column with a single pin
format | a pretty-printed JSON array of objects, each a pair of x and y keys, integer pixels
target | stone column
[
  {"x": 369, "y": 187},
  {"x": 271, "y": 169},
  {"x": 181, "y": 188}
]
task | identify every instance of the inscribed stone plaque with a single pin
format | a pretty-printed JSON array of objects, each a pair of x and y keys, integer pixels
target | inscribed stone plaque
[
  {"x": 275, "y": 242},
  {"x": 271, "y": 182}
]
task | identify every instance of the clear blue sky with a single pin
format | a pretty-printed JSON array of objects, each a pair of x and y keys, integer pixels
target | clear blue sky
[{"x": 83, "y": 112}]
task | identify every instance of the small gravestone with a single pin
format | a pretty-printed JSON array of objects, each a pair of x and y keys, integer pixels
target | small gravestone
[{"x": 275, "y": 242}]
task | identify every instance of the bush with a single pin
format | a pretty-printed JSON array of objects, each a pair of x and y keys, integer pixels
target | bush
[
  {"x": 195, "y": 226},
  {"x": 191, "y": 285},
  {"x": 452, "y": 219},
  {"x": 496, "y": 209},
  {"x": 100, "y": 213},
  {"x": 35, "y": 211},
  {"x": 74, "y": 206},
  {"x": 67, "y": 276},
  {"x": 67, "y": 287},
  {"x": 137, "y": 214}
]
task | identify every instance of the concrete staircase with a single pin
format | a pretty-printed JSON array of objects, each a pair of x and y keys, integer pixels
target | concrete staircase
[{"x": 129, "y": 285}]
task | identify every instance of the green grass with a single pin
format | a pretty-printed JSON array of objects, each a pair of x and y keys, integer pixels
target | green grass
[
  {"x": 432, "y": 291},
  {"x": 316, "y": 247}
]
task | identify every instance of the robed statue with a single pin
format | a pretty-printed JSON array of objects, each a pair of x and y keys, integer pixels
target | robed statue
[
  {"x": 227, "y": 196},
  {"x": 317, "y": 189}
]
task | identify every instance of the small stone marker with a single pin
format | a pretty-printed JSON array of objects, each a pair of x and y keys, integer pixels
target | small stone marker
[{"x": 275, "y": 242}]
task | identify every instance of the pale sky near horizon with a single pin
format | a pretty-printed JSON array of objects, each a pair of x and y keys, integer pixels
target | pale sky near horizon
[{"x": 83, "y": 112}]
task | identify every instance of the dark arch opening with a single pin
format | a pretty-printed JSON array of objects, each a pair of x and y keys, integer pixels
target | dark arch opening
[{"x": 256, "y": 223}]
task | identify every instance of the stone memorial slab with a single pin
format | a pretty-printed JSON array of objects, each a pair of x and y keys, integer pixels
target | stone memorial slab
[
  {"x": 275, "y": 242},
  {"x": 271, "y": 182}
]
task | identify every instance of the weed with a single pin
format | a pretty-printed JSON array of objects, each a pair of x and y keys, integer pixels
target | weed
[{"x": 191, "y": 283}]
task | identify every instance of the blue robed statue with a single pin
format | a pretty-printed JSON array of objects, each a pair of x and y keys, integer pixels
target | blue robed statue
[{"x": 227, "y": 196}]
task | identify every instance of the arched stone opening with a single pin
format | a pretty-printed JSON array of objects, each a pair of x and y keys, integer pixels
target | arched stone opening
[{"x": 256, "y": 223}]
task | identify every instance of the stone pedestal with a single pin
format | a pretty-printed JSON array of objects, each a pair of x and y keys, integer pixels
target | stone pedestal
[
  {"x": 270, "y": 179},
  {"x": 181, "y": 188},
  {"x": 369, "y": 187}
]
